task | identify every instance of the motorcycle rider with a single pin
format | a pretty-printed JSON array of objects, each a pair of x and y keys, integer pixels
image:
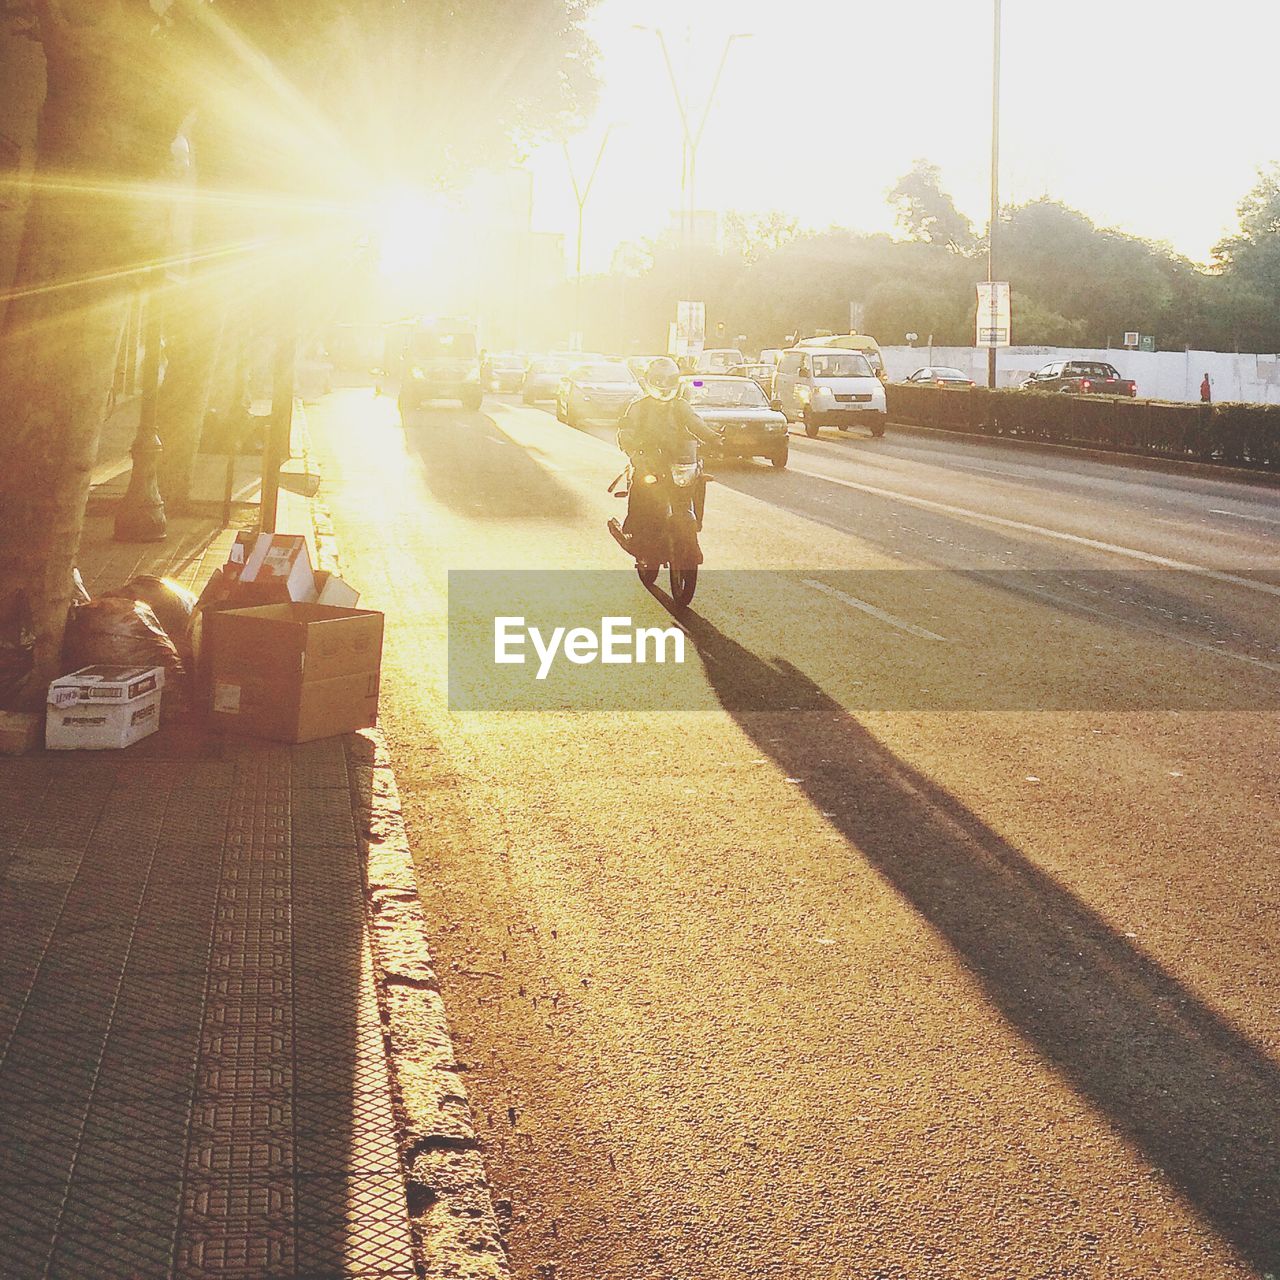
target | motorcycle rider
[{"x": 663, "y": 426}]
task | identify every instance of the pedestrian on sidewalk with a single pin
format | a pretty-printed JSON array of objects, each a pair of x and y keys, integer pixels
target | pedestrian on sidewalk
[{"x": 1206, "y": 391}]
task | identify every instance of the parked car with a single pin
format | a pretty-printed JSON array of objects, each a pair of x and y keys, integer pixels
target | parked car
[
  {"x": 829, "y": 387},
  {"x": 1081, "y": 378},
  {"x": 506, "y": 371},
  {"x": 941, "y": 376},
  {"x": 718, "y": 360},
  {"x": 760, "y": 374},
  {"x": 750, "y": 427},
  {"x": 601, "y": 390}
]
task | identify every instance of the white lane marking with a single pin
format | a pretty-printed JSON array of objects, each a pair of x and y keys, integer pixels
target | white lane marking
[
  {"x": 1076, "y": 539},
  {"x": 1239, "y": 515},
  {"x": 879, "y": 614}
]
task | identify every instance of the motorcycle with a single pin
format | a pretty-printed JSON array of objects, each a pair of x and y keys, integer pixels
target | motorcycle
[{"x": 670, "y": 498}]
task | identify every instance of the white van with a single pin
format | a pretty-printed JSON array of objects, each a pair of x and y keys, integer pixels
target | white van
[{"x": 828, "y": 386}]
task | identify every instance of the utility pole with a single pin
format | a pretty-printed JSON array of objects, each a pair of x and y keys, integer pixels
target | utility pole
[{"x": 995, "y": 180}]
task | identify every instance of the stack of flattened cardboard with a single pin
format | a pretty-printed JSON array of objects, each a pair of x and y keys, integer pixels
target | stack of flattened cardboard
[{"x": 294, "y": 672}]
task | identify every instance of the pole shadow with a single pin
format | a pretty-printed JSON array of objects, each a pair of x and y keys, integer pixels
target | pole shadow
[{"x": 1171, "y": 1075}]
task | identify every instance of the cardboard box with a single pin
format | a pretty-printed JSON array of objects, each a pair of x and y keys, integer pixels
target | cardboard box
[
  {"x": 103, "y": 708},
  {"x": 278, "y": 558},
  {"x": 294, "y": 672}
]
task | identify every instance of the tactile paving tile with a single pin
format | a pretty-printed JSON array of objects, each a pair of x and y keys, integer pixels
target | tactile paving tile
[{"x": 222, "y": 1129}]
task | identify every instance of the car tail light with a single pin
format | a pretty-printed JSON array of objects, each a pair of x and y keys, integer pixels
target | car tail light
[{"x": 1085, "y": 385}]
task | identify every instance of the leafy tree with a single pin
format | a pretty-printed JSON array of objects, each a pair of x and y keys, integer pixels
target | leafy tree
[
  {"x": 1250, "y": 265},
  {"x": 297, "y": 106},
  {"x": 926, "y": 212}
]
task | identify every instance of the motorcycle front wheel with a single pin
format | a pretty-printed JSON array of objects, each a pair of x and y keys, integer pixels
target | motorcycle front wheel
[
  {"x": 683, "y": 584},
  {"x": 648, "y": 573}
]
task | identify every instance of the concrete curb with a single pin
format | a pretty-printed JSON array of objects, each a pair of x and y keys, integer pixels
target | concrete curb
[
  {"x": 455, "y": 1229},
  {"x": 450, "y": 1206},
  {"x": 1117, "y": 457}
]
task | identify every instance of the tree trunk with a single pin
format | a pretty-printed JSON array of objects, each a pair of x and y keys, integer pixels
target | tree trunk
[
  {"x": 58, "y": 346},
  {"x": 192, "y": 340}
]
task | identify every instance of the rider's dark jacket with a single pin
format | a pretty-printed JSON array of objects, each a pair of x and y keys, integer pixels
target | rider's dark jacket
[{"x": 665, "y": 428}]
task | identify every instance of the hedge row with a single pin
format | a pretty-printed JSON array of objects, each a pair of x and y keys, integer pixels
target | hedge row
[{"x": 1238, "y": 435}]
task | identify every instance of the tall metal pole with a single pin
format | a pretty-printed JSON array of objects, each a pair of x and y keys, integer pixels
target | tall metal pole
[
  {"x": 692, "y": 137},
  {"x": 140, "y": 515},
  {"x": 995, "y": 180},
  {"x": 276, "y": 449},
  {"x": 582, "y": 194}
]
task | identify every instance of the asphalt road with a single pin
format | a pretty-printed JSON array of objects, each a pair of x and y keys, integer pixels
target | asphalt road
[{"x": 931, "y": 931}]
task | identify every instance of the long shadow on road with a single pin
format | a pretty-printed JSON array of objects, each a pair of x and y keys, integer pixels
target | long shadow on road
[{"x": 1171, "y": 1075}]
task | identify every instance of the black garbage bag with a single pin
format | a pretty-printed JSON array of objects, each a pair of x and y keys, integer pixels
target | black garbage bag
[
  {"x": 117, "y": 632},
  {"x": 173, "y": 605},
  {"x": 17, "y": 649}
]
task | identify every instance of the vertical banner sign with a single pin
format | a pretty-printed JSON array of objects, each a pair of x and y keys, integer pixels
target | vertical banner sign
[
  {"x": 993, "y": 313},
  {"x": 691, "y": 328}
]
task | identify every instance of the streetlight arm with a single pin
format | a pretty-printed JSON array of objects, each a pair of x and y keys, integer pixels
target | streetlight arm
[
  {"x": 715, "y": 84},
  {"x": 595, "y": 168},
  {"x": 675, "y": 86}
]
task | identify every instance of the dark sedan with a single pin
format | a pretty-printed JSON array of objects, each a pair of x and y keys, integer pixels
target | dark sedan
[{"x": 740, "y": 411}]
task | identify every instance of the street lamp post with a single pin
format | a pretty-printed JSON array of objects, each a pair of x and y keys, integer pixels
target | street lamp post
[
  {"x": 581, "y": 193},
  {"x": 995, "y": 180},
  {"x": 691, "y": 137},
  {"x": 140, "y": 516}
]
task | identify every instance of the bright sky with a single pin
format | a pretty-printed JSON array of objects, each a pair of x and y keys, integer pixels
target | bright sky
[{"x": 1149, "y": 115}]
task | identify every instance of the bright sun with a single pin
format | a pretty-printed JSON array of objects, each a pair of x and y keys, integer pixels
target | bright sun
[{"x": 408, "y": 226}]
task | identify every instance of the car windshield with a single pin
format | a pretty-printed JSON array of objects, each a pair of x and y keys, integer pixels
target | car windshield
[
  {"x": 1094, "y": 370},
  {"x": 724, "y": 393},
  {"x": 603, "y": 373},
  {"x": 720, "y": 360},
  {"x": 428, "y": 344},
  {"x": 950, "y": 373},
  {"x": 549, "y": 366},
  {"x": 848, "y": 364}
]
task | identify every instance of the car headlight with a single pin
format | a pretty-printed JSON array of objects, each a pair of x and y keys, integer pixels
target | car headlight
[
  {"x": 417, "y": 373},
  {"x": 803, "y": 394},
  {"x": 822, "y": 395}
]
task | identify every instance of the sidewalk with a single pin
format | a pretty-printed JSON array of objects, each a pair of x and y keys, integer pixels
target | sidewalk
[{"x": 194, "y": 1077}]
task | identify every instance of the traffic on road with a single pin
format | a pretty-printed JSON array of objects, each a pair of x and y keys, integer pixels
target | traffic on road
[{"x": 927, "y": 919}]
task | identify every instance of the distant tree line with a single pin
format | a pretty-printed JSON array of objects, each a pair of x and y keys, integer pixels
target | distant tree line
[{"x": 1074, "y": 283}]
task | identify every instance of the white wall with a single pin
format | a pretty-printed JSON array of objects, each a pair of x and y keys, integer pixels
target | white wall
[{"x": 1160, "y": 375}]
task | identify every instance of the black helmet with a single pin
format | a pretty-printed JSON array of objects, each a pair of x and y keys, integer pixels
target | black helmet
[{"x": 663, "y": 378}]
